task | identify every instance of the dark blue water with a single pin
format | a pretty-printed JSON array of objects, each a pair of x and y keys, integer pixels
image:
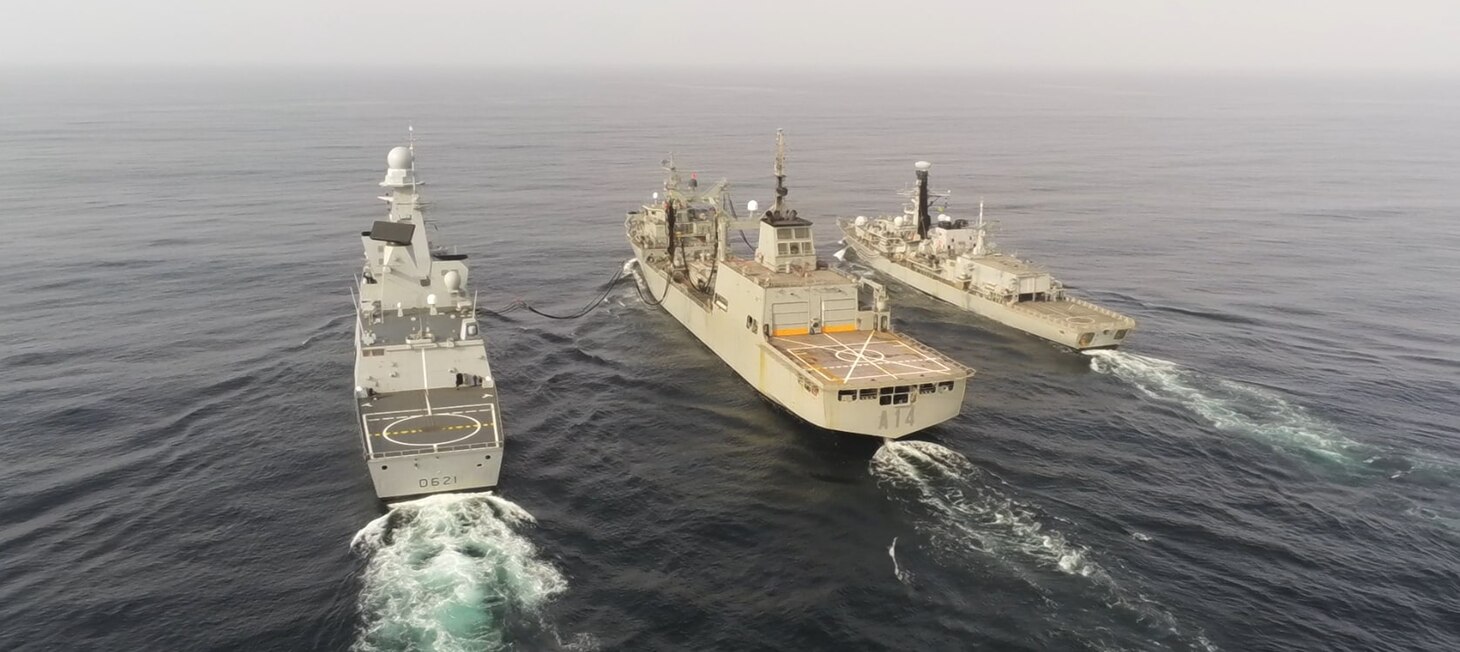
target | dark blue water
[{"x": 1272, "y": 464}]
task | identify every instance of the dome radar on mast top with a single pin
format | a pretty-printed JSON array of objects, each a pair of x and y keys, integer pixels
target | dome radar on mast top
[
  {"x": 400, "y": 158},
  {"x": 400, "y": 168}
]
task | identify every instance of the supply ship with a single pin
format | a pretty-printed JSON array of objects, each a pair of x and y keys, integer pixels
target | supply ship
[
  {"x": 425, "y": 397},
  {"x": 813, "y": 340},
  {"x": 955, "y": 261}
]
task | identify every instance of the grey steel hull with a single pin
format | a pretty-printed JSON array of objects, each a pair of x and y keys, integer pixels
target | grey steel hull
[{"x": 1069, "y": 322}]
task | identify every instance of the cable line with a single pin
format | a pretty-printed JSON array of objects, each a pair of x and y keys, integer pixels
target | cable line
[{"x": 608, "y": 287}]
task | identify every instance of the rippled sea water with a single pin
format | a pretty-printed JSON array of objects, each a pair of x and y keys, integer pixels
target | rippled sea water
[{"x": 1271, "y": 464}]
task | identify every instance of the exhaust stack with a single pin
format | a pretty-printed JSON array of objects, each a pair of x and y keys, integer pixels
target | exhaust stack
[{"x": 925, "y": 222}]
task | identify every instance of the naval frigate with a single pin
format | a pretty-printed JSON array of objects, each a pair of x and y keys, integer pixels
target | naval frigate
[
  {"x": 954, "y": 260},
  {"x": 812, "y": 339},
  {"x": 426, "y": 401}
]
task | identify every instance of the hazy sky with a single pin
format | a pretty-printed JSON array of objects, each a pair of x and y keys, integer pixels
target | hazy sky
[{"x": 1235, "y": 35}]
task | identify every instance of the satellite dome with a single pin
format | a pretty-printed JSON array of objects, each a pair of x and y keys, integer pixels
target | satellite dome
[
  {"x": 923, "y": 165},
  {"x": 898, "y": 221},
  {"x": 452, "y": 279},
  {"x": 752, "y": 205},
  {"x": 861, "y": 220},
  {"x": 944, "y": 217},
  {"x": 399, "y": 158}
]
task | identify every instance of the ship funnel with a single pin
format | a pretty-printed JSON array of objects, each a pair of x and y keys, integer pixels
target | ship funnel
[{"x": 924, "y": 222}]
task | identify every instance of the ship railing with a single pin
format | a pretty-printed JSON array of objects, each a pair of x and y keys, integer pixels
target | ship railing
[
  {"x": 1122, "y": 320},
  {"x": 495, "y": 443},
  {"x": 806, "y": 377},
  {"x": 932, "y": 273},
  {"x": 1101, "y": 309},
  {"x": 933, "y": 353}
]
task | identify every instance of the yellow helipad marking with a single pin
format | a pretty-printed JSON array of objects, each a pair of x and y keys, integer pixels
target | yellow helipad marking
[{"x": 421, "y": 430}]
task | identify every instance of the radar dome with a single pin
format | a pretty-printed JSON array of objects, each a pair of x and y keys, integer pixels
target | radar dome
[
  {"x": 452, "y": 279},
  {"x": 922, "y": 165},
  {"x": 752, "y": 205},
  {"x": 944, "y": 217},
  {"x": 861, "y": 220},
  {"x": 399, "y": 158},
  {"x": 430, "y": 299},
  {"x": 898, "y": 221}
]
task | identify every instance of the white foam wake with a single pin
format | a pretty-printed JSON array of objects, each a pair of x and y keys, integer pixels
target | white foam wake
[
  {"x": 962, "y": 513},
  {"x": 446, "y": 572},
  {"x": 968, "y": 514},
  {"x": 897, "y": 570},
  {"x": 1228, "y": 405}
]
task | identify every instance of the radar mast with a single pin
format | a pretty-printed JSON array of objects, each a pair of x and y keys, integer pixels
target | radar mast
[{"x": 780, "y": 173}]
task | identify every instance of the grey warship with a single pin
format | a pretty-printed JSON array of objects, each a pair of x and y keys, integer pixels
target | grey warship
[
  {"x": 426, "y": 402},
  {"x": 955, "y": 261},
  {"x": 812, "y": 339}
]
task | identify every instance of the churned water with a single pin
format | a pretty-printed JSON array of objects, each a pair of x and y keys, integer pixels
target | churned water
[{"x": 1271, "y": 464}]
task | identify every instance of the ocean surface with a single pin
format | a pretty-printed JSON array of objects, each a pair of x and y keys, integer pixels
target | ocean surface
[{"x": 1270, "y": 464}]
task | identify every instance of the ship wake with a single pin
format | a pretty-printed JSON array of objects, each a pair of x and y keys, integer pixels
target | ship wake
[
  {"x": 452, "y": 572},
  {"x": 1232, "y": 406},
  {"x": 961, "y": 512}
]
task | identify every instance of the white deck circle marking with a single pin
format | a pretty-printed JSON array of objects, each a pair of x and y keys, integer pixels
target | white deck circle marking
[
  {"x": 395, "y": 424},
  {"x": 873, "y": 356}
]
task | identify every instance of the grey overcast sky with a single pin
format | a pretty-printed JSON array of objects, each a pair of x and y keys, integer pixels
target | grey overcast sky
[{"x": 1421, "y": 36}]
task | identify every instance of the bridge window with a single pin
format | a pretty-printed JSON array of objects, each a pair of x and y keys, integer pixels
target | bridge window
[{"x": 846, "y": 395}]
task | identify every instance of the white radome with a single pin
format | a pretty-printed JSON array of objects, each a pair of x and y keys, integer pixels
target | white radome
[
  {"x": 399, "y": 158},
  {"x": 923, "y": 165},
  {"x": 861, "y": 220},
  {"x": 898, "y": 221},
  {"x": 752, "y": 205},
  {"x": 452, "y": 280}
]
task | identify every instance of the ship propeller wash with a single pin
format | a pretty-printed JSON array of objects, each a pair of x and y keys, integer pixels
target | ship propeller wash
[
  {"x": 814, "y": 340},
  {"x": 425, "y": 398},
  {"x": 955, "y": 261}
]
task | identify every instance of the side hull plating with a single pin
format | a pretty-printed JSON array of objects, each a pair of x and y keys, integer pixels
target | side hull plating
[{"x": 1059, "y": 321}]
